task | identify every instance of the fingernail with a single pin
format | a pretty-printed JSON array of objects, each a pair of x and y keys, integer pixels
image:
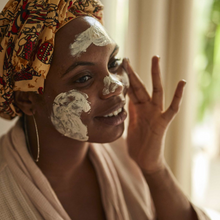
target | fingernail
[{"x": 184, "y": 82}]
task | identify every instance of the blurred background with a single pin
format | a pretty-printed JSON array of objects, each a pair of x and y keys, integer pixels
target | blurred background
[{"x": 186, "y": 35}]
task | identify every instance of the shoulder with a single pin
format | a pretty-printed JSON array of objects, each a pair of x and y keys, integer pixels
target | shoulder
[{"x": 12, "y": 200}]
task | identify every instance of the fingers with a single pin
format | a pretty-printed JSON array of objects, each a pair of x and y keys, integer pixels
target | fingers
[
  {"x": 132, "y": 113},
  {"x": 174, "y": 106},
  {"x": 157, "y": 95},
  {"x": 132, "y": 96},
  {"x": 137, "y": 91}
]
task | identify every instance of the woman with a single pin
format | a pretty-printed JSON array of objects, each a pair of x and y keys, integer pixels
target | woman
[{"x": 61, "y": 75}]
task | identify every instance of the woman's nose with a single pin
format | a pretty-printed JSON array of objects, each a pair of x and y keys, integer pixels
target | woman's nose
[{"x": 112, "y": 86}]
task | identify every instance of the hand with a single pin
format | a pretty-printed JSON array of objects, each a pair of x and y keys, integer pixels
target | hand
[{"x": 148, "y": 121}]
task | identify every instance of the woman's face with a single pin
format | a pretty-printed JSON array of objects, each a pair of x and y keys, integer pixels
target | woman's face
[{"x": 85, "y": 89}]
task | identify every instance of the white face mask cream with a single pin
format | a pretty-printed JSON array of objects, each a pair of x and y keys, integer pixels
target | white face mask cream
[
  {"x": 66, "y": 113},
  {"x": 96, "y": 35},
  {"x": 111, "y": 83}
]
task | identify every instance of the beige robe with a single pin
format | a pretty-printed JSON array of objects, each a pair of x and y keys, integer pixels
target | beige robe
[{"x": 25, "y": 193}]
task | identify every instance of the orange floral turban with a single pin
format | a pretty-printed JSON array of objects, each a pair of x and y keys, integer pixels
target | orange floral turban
[{"x": 27, "y": 35}]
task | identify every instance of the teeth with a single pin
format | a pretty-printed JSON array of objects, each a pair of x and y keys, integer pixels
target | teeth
[{"x": 115, "y": 113}]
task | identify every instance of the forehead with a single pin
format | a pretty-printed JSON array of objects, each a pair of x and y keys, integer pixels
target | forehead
[
  {"x": 67, "y": 34},
  {"x": 76, "y": 26}
]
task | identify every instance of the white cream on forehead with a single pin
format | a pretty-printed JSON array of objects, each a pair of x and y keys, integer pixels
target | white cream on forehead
[
  {"x": 111, "y": 83},
  {"x": 96, "y": 35},
  {"x": 66, "y": 113}
]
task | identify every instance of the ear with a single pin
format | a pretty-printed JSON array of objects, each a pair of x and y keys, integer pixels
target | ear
[{"x": 24, "y": 101}]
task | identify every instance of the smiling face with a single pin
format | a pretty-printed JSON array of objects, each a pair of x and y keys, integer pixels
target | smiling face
[{"x": 85, "y": 90}]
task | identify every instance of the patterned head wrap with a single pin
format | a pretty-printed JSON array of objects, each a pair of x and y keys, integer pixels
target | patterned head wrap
[{"x": 27, "y": 34}]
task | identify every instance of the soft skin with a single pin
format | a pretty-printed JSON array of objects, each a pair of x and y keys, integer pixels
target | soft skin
[{"x": 66, "y": 159}]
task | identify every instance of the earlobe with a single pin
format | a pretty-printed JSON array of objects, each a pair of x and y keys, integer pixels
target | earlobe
[{"x": 24, "y": 101}]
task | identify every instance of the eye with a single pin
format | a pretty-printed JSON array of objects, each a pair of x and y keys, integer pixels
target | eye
[
  {"x": 114, "y": 64},
  {"x": 83, "y": 79}
]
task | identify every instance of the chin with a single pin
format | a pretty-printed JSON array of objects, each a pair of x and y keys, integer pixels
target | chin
[{"x": 107, "y": 136}]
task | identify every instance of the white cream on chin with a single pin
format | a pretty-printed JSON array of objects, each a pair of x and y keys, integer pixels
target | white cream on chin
[
  {"x": 66, "y": 113},
  {"x": 111, "y": 83},
  {"x": 96, "y": 35}
]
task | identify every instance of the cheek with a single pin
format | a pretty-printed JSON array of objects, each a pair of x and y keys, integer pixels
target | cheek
[
  {"x": 44, "y": 106},
  {"x": 66, "y": 114}
]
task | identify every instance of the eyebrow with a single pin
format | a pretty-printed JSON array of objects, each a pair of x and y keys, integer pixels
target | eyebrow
[
  {"x": 74, "y": 65},
  {"x": 82, "y": 63}
]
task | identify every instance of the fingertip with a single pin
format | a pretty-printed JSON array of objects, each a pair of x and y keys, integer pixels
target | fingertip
[
  {"x": 125, "y": 63},
  {"x": 156, "y": 58},
  {"x": 126, "y": 60},
  {"x": 184, "y": 82}
]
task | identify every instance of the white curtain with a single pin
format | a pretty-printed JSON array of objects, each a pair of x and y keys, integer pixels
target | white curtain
[{"x": 165, "y": 28}]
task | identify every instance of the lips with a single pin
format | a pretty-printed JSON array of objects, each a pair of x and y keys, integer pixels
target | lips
[
  {"x": 115, "y": 113},
  {"x": 114, "y": 120},
  {"x": 113, "y": 109},
  {"x": 114, "y": 116}
]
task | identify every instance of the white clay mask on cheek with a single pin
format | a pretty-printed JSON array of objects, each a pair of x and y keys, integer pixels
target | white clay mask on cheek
[
  {"x": 110, "y": 84},
  {"x": 66, "y": 113},
  {"x": 96, "y": 35}
]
